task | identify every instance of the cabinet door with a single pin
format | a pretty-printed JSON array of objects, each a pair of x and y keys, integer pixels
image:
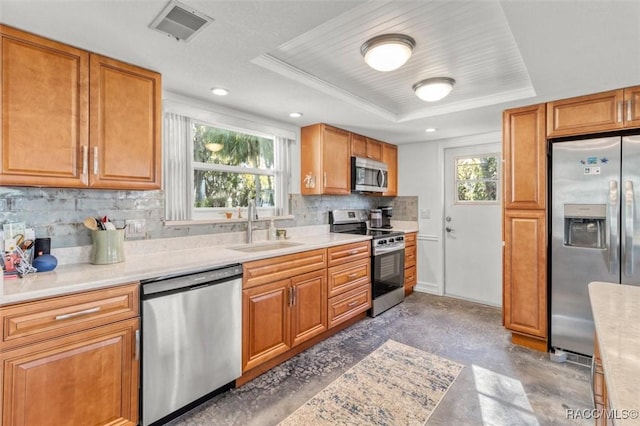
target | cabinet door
[
  {"x": 524, "y": 149},
  {"x": 390, "y": 157},
  {"x": 265, "y": 323},
  {"x": 374, "y": 149},
  {"x": 84, "y": 378},
  {"x": 632, "y": 107},
  {"x": 125, "y": 125},
  {"x": 599, "y": 112},
  {"x": 336, "y": 161},
  {"x": 525, "y": 272},
  {"x": 44, "y": 111},
  {"x": 309, "y": 306},
  {"x": 358, "y": 146}
]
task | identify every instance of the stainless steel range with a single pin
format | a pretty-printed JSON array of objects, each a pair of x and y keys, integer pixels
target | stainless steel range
[{"x": 387, "y": 257}]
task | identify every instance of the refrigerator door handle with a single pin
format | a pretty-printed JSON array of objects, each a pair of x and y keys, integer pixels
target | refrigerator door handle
[
  {"x": 629, "y": 216},
  {"x": 613, "y": 225}
]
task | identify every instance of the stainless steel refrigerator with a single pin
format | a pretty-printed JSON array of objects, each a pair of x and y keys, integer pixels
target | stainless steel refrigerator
[{"x": 595, "y": 234}]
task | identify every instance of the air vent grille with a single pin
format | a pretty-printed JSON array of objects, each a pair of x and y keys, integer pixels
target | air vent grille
[{"x": 180, "y": 21}]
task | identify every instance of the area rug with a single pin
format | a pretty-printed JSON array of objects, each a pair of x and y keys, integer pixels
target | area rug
[{"x": 394, "y": 385}]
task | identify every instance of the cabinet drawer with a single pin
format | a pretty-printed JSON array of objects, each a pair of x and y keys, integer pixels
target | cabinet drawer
[
  {"x": 409, "y": 256},
  {"x": 349, "y": 276},
  {"x": 349, "y": 252},
  {"x": 410, "y": 276},
  {"x": 349, "y": 304},
  {"x": 410, "y": 239},
  {"x": 34, "y": 321},
  {"x": 282, "y": 267}
]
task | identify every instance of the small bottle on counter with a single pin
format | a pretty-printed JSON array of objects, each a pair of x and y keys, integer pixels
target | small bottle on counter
[{"x": 272, "y": 230}]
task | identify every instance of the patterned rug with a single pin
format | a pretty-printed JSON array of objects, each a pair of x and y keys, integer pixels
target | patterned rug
[{"x": 394, "y": 385}]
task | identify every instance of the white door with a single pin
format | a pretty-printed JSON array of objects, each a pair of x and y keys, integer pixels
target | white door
[{"x": 472, "y": 229}]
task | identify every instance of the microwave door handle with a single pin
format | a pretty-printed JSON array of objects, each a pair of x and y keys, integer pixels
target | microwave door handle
[
  {"x": 613, "y": 225},
  {"x": 629, "y": 217},
  {"x": 381, "y": 178}
]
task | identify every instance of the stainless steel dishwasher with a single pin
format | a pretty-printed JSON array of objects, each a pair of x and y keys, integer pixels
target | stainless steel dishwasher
[{"x": 191, "y": 338}]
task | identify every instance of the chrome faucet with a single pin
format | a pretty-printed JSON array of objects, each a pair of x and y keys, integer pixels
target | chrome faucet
[{"x": 252, "y": 214}]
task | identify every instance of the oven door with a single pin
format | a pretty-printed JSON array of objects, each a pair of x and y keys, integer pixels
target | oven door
[{"x": 388, "y": 272}]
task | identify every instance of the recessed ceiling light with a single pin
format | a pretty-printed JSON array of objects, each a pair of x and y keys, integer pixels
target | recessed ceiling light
[
  {"x": 430, "y": 130},
  {"x": 219, "y": 91},
  {"x": 295, "y": 114}
]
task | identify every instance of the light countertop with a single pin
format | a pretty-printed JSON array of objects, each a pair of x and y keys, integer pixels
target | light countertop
[
  {"x": 71, "y": 278},
  {"x": 616, "y": 313}
]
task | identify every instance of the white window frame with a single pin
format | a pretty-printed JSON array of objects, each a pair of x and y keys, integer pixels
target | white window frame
[
  {"x": 226, "y": 118},
  {"x": 497, "y": 180},
  {"x": 204, "y": 213}
]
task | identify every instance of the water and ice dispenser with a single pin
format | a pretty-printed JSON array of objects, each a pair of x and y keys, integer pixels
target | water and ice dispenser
[{"x": 585, "y": 225}]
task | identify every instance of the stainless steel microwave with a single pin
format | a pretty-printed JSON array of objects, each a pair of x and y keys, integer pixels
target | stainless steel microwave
[{"x": 368, "y": 175}]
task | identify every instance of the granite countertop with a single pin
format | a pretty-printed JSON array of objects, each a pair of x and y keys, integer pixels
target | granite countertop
[
  {"x": 71, "y": 278},
  {"x": 616, "y": 312}
]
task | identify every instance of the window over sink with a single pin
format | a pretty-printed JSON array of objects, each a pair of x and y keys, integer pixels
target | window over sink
[{"x": 212, "y": 169}]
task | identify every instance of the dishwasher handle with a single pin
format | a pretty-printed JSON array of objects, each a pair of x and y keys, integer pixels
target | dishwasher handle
[{"x": 156, "y": 286}]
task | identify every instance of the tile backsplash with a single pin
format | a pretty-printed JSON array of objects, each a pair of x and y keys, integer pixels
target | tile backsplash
[{"x": 58, "y": 213}]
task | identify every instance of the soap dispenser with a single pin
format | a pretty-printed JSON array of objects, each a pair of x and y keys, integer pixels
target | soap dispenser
[{"x": 272, "y": 230}]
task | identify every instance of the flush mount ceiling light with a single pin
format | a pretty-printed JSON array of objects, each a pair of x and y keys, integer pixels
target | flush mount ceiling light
[
  {"x": 387, "y": 52},
  {"x": 433, "y": 89},
  {"x": 220, "y": 91}
]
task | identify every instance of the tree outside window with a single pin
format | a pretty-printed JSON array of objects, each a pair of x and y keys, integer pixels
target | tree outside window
[
  {"x": 477, "y": 179},
  {"x": 230, "y": 167}
]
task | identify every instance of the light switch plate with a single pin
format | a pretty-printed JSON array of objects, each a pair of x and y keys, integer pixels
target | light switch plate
[
  {"x": 425, "y": 213},
  {"x": 135, "y": 228}
]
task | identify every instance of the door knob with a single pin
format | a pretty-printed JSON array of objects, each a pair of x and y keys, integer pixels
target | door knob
[{"x": 448, "y": 229}]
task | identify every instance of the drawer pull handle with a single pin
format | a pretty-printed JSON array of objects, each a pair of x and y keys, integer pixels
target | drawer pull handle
[
  {"x": 77, "y": 314},
  {"x": 352, "y": 304},
  {"x": 353, "y": 275},
  {"x": 353, "y": 252}
]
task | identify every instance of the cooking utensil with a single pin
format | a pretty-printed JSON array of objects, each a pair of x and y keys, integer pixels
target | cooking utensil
[{"x": 91, "y": 223}]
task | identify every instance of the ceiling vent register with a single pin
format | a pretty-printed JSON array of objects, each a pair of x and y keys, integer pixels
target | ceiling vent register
[{"x": 180, "y": 21}]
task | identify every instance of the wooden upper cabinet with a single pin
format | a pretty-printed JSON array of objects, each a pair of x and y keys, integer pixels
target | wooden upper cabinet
[
  {"x": 364, "y": 147},
  {"x": 75, "y": 119},
  {"x": 525, "y": 272},
  {"x": 632, "y": 107},
  {"x": 524, "y": 148},
  {"x": 325, "y": 160},
  {"x": 390, "y": 158},
  {"x": 599, "y": 112},
  {"x": 125, "y": 125},
  {"x": 44, "y": 110}
]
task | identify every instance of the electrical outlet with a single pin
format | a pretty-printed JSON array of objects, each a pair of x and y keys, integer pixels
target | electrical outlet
[{"x": 135, "y": 228}]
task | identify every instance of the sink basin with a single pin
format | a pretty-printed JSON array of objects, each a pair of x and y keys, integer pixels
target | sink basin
[{"x": 251, "y": 248}]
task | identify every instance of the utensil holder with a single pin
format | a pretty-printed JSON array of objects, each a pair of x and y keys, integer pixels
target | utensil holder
[{"x": 108, "y": 247}]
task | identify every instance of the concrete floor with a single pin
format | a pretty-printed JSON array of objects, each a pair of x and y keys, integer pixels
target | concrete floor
[{"x": 501, "y": 384}]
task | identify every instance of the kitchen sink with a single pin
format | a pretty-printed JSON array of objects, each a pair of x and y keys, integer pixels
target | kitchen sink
[{"x": 251, "y": 248}]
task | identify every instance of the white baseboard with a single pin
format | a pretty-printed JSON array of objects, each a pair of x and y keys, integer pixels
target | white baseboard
[{"x": 431, "y": 288}]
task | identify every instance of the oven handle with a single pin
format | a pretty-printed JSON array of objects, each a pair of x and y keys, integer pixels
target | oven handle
[{"x": 380, "y": 250}]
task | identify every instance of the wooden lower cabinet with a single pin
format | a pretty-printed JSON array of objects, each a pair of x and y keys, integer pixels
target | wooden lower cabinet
[
  {"x": 280, "y": 315},
  {"x": 90, "y": 377},
  {"x": 410, "y": 262},
  {"x": 525, "y": 275},
  {"x": 71, "y": 360}
]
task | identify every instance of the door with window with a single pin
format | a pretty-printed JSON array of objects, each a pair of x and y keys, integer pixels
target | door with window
[{"x": 472, "y": 233}]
